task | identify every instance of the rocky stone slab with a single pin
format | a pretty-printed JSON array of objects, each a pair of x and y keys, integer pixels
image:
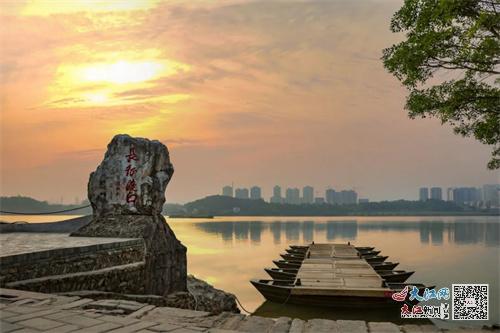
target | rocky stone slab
[
  {"x": 127, "y": 193},
  {"x": 255, "y": 324}
]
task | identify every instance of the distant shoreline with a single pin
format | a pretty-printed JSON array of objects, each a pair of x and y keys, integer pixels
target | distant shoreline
[
  {"x": 222, "y": 206},
  {"x": 384, "y": 214},
  {"x": 72, "y": 224},
  {"x": 349, "y": 215}
]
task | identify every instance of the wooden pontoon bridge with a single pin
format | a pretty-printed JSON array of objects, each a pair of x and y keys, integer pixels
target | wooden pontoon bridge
[{"x": 338, "y": 275}]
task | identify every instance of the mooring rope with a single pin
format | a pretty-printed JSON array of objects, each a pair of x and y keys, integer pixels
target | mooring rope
[
  {"x": 241, "y": 306},
  {"x": 287, "y": 298},
  {"x": 44, "y": 213}
]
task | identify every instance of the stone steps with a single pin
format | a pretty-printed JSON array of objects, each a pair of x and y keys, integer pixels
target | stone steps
[
  {"x": 121, "y": 278},
  {"x": 68, "y": 260}
]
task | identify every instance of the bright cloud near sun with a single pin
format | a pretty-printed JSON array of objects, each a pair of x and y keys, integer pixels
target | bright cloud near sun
[
  {"x": 45, "y": 8},
  {"x": 106, "y": 83},
  {"x": 122, "y": 71},
  {"x": 259, "y": 92}
]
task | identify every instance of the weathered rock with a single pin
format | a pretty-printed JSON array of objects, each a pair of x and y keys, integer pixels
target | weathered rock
[
  {"x": 203, "y": 297},
  {"x": 131, "y": 179},
  {"x": 127, "y": 192}
]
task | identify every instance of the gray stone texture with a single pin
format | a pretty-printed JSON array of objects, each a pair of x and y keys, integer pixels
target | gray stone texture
[
  {"x": 150, "y": 168},
  {"x": 202, "y": 297},
  {"x": 28, "y": 266},
  {"x": 127, "y": 193},
  {"x": 35, "y": 312}
]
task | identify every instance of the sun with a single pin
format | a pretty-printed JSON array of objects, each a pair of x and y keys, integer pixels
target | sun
[
  {"x": 114, "y": 82},
  {"x": 96, "y": 98},
  {"x": 122, "y": 72}
]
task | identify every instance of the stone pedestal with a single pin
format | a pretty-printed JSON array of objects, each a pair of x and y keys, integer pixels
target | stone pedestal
[{"x": 127, "y": 193}]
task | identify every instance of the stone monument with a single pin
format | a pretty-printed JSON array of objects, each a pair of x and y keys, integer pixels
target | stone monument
[{"x": 127, "y": 193}]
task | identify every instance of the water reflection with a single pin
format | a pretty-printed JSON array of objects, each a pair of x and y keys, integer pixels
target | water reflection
[{"x": 459, "y": 231}]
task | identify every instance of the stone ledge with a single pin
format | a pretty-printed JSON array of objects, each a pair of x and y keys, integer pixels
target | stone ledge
[
  {"x": 53, "y": 254},
  {"x": 46, "y": 316}
]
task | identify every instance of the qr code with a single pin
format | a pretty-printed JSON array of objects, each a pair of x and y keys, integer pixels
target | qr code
[{"x": 470, "y": 301}]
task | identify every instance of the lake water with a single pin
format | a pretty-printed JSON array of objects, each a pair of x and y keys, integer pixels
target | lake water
[{"x": 229, "y": 251}]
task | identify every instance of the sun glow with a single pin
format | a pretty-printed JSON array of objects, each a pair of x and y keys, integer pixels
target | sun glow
[
  {"x": 119, "y": 82},
  {"x": 123, "y": 72},
  {"x": 48, "y": 7},
  {"x": 96, "y": 98}
]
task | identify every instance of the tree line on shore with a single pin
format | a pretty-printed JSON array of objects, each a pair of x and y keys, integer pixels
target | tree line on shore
[{"x": 228, "y": 206}]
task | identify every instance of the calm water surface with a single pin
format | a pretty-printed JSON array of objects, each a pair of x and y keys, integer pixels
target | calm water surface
[{"x": 229, "y": 251}]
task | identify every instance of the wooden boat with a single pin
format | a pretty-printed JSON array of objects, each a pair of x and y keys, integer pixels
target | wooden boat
[
  {"x": 288, "y": 256},
  {"x": 334, "y": 275},
  {"x": 301, "y": 256},
  {"x": 395, "y": 276},
  {"x": 364, "y": 248},
  {"x": 369, "y": 253},
  {"x": 282, "y": 273},
  {"x": 287, "y": 264},
  {"x": 293, "y": 251},
  {"x": 384, "y": 266},
  {"x": 286, "y": 291},
  {"x": 290, "y": 274},
  {"x": 375, "y": 259},
  {"x": 299, "y": 247},
  {"x": 304, "y": 248}
]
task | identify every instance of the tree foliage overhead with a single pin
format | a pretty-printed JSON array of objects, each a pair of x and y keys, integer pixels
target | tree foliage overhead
[{"x": 449, "y": 62}]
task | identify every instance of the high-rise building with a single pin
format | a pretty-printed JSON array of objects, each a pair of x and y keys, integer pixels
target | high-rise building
[
  {"x": 344, "y": 197},
  {"x": 491, "y": 195},
  {"x": 241, "y": 193},
  {"x": 227, "y": 191},
  {"x": 308, "y": 195},
  {"x": 423, "y": 194},
  {"x": 330, "y": 196},
  {"x": 276, "y": 198},
  {"x": 292, "y": 196},
  {"x": 319, "y": 200},
  {"x": 255, "y": 193},
  {"x": 449, "y": 194},
  {"x": 466, "y": 195},
  {"x": 348, "y": 197},
  {"x": 436, "y": 193}
]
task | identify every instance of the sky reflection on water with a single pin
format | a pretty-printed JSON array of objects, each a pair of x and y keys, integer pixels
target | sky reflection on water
[
  {"x": 460, "y": 231},
  {"x": 230, "y": 251}
]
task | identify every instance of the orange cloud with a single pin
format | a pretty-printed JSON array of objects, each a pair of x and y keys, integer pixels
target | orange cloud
[{"x": 253, "y": 92}]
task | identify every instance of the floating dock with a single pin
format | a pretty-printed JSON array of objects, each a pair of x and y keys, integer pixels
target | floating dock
[
  {"x": 331, "y": 275},
  {"x": 337, "y": 266}
]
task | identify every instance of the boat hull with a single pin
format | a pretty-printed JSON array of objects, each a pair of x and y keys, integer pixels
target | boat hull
[
  {"x": 284, "y": 294},
  {"x": 288, "y": 256},
  {"x": 395, "y": 276},
  {"x": 280, "y": 274},
  {"x": 385, "y": 266},
  {"x": 375, "y": 259},
  {"x": 286, "y": 264}
]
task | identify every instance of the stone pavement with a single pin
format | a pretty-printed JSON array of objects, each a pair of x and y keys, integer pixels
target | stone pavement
[{"x": 22, "y": 311}]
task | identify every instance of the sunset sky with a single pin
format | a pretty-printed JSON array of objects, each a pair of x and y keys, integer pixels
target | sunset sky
[{"x": 264, "y": 93}]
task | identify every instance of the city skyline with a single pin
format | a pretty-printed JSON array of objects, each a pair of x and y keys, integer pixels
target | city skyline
[{"x": 488, "y": 194}]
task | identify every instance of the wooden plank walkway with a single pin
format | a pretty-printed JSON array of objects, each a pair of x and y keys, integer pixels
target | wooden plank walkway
[{"x": 337, "y": 266}]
